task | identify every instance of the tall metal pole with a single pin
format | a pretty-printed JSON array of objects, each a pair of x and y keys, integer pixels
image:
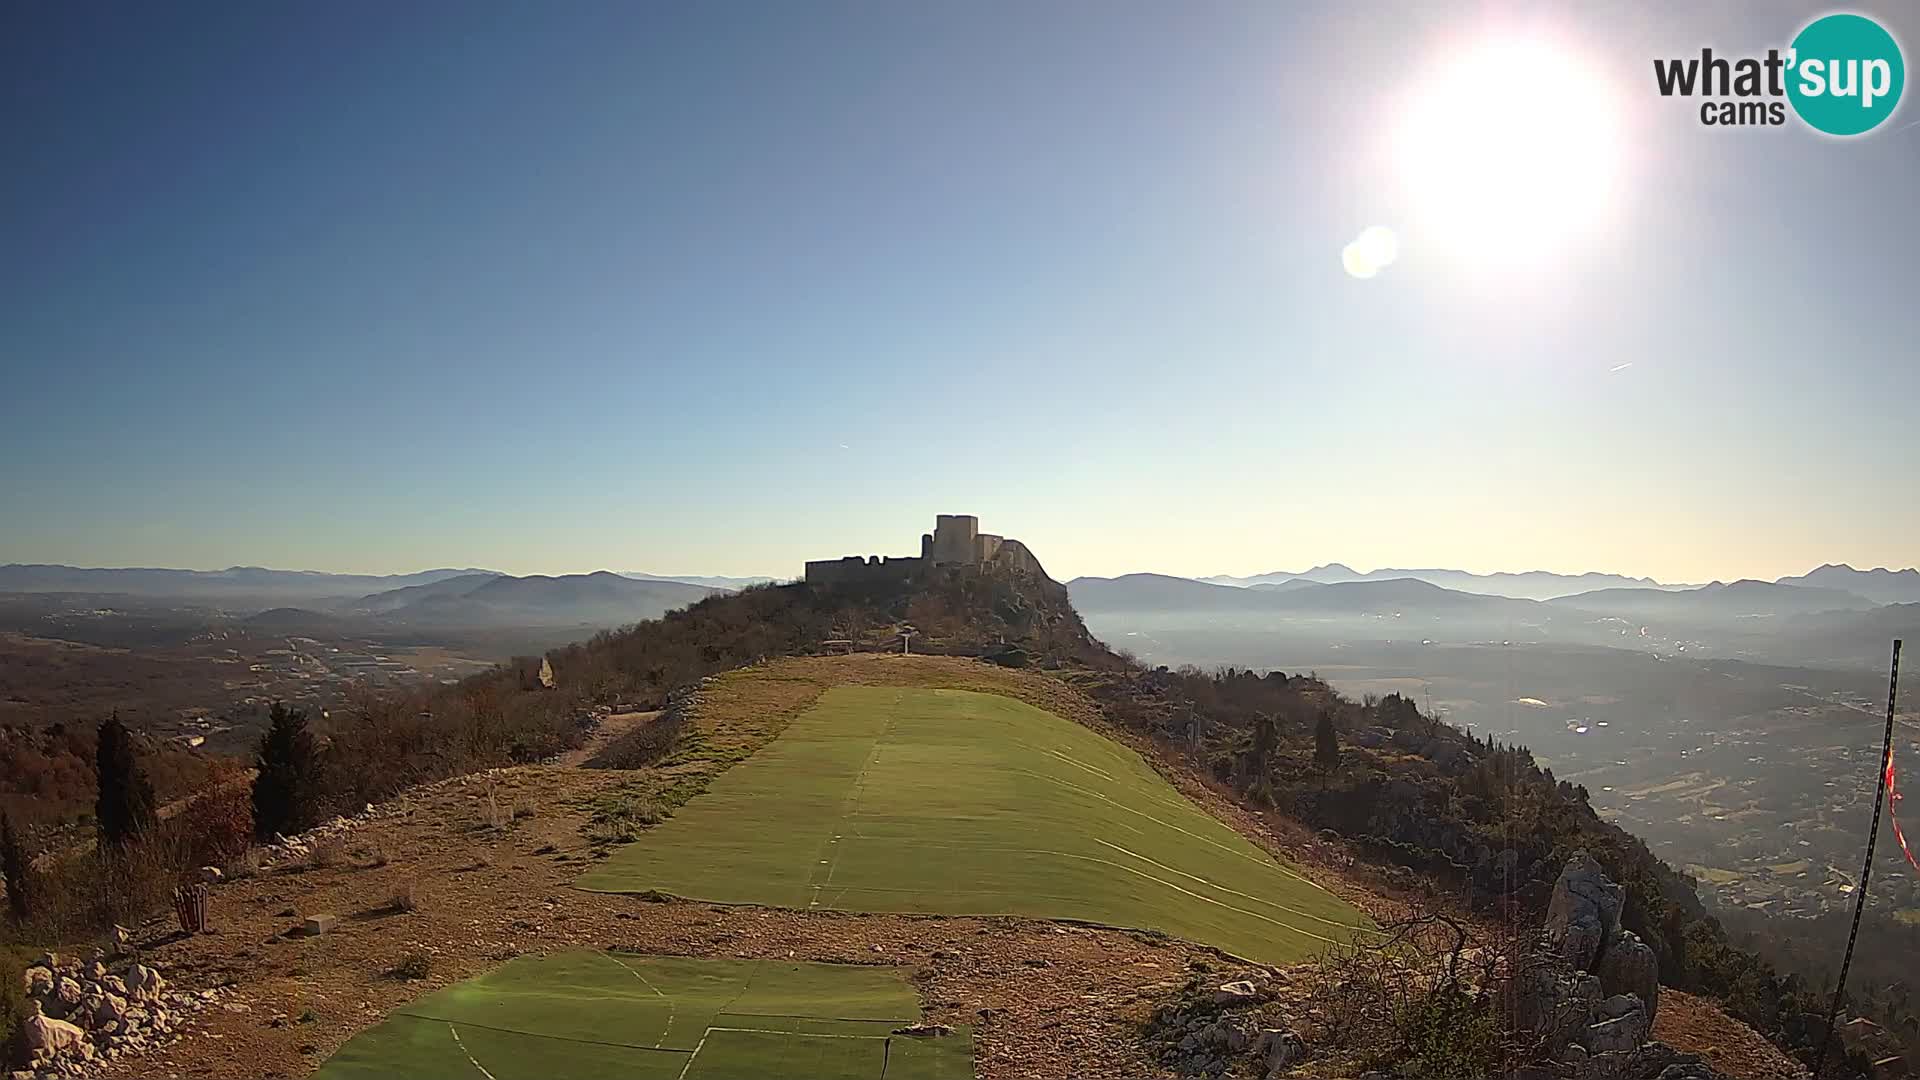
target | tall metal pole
[{"x": 1866, "y": 871}]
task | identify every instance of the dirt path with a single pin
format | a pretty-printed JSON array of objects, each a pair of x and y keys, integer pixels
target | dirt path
[{"x": 612, "y": 726}]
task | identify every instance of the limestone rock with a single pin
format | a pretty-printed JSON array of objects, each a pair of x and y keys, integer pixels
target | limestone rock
[
  {"x": 1628, "y": 966},
  {"x": 53, "y": 1036},
  {"x": 66, "y": 995},
  {"x": 38, "y": 980},
  {"x": 110, "y": 1009},
  {"x": 1624, "y": 1032},
  {"x": 1242, "y": 992},
  {"x": 316, "y": 925},
  {"x": 1278, "y": 1049},
  {"x": 1584, "y": 912},
  {"x": 144, "y": 983}
]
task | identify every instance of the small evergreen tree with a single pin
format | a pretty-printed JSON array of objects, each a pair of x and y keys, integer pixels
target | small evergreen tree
[
  {"x": 286, "y": 793},
  {"x": 1326, "y": 742},
  {"x": 124, "y": 807},
  {"x": 1266, "y": 736},
  {"x": 19, "y": 871}
]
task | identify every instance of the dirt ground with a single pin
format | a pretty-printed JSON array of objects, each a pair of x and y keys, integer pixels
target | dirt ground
[{"x": 1697, "y": 1025}]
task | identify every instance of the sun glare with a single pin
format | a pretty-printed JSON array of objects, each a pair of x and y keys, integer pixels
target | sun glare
[{"x": 1509, "y": 151}]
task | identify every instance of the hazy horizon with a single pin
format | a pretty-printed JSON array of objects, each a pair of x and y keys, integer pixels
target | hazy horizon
[
  {"x": 1058, "y": 575},
  {"x": 636, "y": 287}
]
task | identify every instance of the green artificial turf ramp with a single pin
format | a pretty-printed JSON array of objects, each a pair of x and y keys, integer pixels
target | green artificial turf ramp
[
  {"x": 619, "y": 1016},
  {"x": 960, "y": 803}
]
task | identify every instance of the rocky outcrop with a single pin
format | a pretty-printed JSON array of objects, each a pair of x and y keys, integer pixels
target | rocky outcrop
[
  {"x": 1583, "y": 929},
  {"x": 1584, "y": 913},
  {"x": 1590, "y": 990},
  {"x": 1627, "y": 966}
]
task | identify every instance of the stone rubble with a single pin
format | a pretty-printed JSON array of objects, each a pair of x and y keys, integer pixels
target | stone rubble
[
  {"x": 80, "y": 1015},
  {"x": 1225, "y": 1030}
]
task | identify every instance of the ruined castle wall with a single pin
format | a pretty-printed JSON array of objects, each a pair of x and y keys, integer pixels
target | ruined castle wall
[
  {"x": 858, "y": 570},
  {"x": 985, "y": 547}
]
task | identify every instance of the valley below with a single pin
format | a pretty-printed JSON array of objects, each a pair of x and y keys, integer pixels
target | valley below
[{"x": 1757, "y": 779}]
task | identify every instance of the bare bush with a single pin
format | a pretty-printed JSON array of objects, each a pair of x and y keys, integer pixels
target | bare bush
[
  {"x": 247, "y": 864},
  {"x": 1425, "y": 997},
  {"x": 326, "y": 852},
  {"x": 414, "y": 965}
]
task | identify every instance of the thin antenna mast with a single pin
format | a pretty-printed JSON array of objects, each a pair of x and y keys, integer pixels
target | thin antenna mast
[{"x": 1866, "y": 871}]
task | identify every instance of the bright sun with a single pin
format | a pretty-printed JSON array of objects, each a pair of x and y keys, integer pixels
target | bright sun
[{"x": 1510, "y": 152}]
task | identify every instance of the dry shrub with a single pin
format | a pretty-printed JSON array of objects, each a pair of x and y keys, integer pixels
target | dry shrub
[
  {"x": 83, "y": 894},
  {"x": 495, "y": 814},
  {"x": 247, "y": 865},
  {"x": 217, "y": 825},
  {"x": 414, "y": 965},
  {"x": 328, "y": 851},
  {"x": 1423, "y": 998}
]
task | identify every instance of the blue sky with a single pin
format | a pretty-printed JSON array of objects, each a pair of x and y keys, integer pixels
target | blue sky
[{"x": 718, "y": 288}]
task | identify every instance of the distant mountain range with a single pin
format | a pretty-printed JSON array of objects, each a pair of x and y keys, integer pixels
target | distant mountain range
[
  {"x": 244, "y": 587},
  {"x": 1711, "y": 603},
  {"x": 1159, "y": 593},
  {"x": 247, "y": 582},
  {"x": 730, "y": 583},
  {"x": 1530, "y": 585},
  {"x": 1880, "y": 585}
]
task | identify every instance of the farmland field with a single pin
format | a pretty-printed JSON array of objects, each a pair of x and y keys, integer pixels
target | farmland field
[
  {"x": 604, "y": 1015},
  {"x": 961, "y": 803}
]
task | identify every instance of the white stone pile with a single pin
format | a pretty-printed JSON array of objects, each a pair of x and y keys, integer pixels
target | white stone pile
[{"x": 80, "y": 1014}]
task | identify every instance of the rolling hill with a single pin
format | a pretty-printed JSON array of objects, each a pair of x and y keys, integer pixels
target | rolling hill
[
  {"x": 398, "y": 599},
  {"x": 1717, "y": 602},
  {"x": 603, "y": 598}
]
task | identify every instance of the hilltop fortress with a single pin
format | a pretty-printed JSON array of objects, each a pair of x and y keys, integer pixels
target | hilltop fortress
[{"x": 956, "y": 541}]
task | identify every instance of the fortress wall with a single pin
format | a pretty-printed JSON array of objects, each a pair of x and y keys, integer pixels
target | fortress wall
[
  {"x": 855, "y": 569},
  {"x": 985, "y": 547}
]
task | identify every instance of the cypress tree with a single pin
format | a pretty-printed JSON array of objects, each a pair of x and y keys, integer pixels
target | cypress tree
[
  {"x": 286, "y": 792},
  {"x": 19, "y": 872},
  {"x": 1326, "y": 743},
  {"x": 124, "y": 807}
]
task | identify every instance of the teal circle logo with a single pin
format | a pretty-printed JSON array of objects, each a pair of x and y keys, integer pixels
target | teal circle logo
[{"x": 1845, "y": 74}]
